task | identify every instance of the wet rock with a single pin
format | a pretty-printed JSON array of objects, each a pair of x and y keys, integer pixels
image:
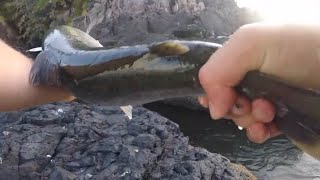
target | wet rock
[{"x": 82, "y": 142}]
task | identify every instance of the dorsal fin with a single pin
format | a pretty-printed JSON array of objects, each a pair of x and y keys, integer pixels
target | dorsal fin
[{"x": 168, "y": 48}]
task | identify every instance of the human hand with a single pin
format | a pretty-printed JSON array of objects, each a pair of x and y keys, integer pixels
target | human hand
[{"x": 290, "y": 52}]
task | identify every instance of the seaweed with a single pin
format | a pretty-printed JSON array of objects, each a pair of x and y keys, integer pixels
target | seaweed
[{"x": 33, "y": 18}]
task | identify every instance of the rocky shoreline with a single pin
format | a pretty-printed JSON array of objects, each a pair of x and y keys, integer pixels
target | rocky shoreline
[{"x": 76, "y": 141}]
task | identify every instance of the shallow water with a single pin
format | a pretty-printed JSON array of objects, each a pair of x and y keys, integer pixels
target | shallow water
[{"x": 277, "y": 158}]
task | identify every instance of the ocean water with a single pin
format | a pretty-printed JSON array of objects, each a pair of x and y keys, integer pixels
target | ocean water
[{"x": 277, "y": 158}]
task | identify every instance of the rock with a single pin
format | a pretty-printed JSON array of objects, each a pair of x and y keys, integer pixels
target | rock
[
  {"x": 123, "y": 22},
  {"x": 223, "y": 17},
  {"x": 76, "y": 141},
  {"x": 60, "y": 173},
  {"x": 136, "y": 22}
]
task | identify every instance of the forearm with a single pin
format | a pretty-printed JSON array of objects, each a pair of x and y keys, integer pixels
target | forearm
[{"x": 15, "y": 89}]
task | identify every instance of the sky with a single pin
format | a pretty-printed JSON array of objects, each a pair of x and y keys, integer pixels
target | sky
[{"x": 285, "y": 11}]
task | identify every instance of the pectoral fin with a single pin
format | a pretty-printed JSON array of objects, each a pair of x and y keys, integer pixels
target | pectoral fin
[{"x": 127, "y": 111}]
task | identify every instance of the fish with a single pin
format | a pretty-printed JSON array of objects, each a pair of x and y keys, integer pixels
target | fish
[{"x": 139, "y": 74}]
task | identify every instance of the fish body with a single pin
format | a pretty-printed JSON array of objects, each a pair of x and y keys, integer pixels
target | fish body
[
  {"x": 145, "y": 73},
  {"x": 124, "y": 75}
]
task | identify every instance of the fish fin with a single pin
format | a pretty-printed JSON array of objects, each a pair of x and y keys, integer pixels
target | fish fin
[
  {"x": 168, "y": 48},
  {"x": 45, "y": 71},
  {"x": 127, "y": 111}
]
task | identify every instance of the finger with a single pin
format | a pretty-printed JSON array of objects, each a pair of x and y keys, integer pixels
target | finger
[
  {"x": 263, "y": 110},
  {"x": 227, "y": 66},
  {"x": 258, "y": 133},
  {"x": 220, "y": 107}
]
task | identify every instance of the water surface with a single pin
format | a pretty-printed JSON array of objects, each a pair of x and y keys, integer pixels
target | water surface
[{"x": 277, "y": 158}]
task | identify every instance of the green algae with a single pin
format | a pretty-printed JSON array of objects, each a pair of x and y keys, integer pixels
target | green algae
[{"x": 33, "y": 18}]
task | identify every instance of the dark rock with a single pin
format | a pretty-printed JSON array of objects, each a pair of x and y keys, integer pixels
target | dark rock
[
  {"x": 81, "y": 142},
  {"x": 145, "y": 141},
  {"x": 60, "y": 173},
  {"x": 134, "y": 22},
  {"x": 122, "y": 22}
]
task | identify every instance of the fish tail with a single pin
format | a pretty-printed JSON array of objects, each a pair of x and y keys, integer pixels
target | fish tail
[{"x": 45, "y": 71}]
